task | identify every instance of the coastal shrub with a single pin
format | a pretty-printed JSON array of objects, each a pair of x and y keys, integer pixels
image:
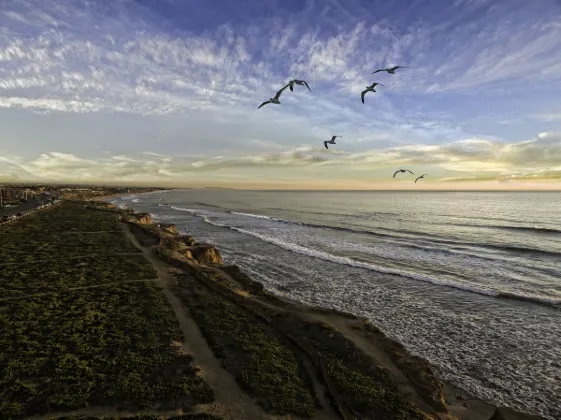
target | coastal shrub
[
  {"x": 265, "y": 367},
  {"x": 63, "y": 231},
  {"x": 364, "y": 396},
  {"x": 69, "y": 349},
  {"x": 198, "y": 416},
  {"x": 67, "y": 273},
  {"x": 100, "y": 346},
  {"x": 364, "y": 388}
]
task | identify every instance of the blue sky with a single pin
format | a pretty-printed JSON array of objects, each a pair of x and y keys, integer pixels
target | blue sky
[{"x": 166, "y": 91}]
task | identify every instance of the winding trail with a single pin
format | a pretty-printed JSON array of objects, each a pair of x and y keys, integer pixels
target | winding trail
[{"x": 231, "y": 402}]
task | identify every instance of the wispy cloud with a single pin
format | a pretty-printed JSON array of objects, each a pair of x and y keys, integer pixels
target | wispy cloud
[
  {"x": 195, "y": 89},
  {"x": 466, "y": 160}
]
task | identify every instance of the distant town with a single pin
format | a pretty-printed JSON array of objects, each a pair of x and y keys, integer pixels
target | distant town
[{"x": 17, "y": 200}]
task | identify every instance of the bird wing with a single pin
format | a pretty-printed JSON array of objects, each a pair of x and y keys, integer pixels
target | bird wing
[
  {"x": 277, "y": 96},
  {"x": 418, "y": 179},
  {"x": 410, "y": 172},
  {"x": 396, "y": 172},
  {"x": 362, "y": 95},
  {"x": 264, "y": 103},
  {"x": 307, "y": 85},
  {"x": 291, "y": 85},
  {"x": 325, "y": 144},
  {"x": 374, "y": 72}
]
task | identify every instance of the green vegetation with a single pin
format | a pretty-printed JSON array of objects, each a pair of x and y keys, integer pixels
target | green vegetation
[
  {"x": 110, "y": 345},
  {"x": 104, "y": 346},
  {"x": 199, "y": 416},
  {"x": 266, "y": 368},
  {"x": 365, "y": 388},
  {"x": 19, "y": 279},
  {"x": 64, "y": 231}
]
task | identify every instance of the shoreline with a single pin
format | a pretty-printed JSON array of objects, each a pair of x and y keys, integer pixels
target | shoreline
[{"x": 458, "y": 402}]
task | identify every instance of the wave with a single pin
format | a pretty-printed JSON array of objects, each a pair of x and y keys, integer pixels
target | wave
[
  {"x": 289, "y": 246},
  {"x": 187, "y": 210},
  {"x": 136, "y": 200},
  {"x": 417, "y": 235},
  {"x": 210, "y": 205},
  {"x": 260, "y": 216},
  {"x": 532, "y": 229}
]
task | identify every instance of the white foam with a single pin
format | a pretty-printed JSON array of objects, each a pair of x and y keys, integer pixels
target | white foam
[
  {"x": 187, "y": 210},
  {"x": 260, "y": 216},
  {"x": 348, "y": 261},
  {"x": 289, "y": 246},
  {"x": 136, "y": 200}
]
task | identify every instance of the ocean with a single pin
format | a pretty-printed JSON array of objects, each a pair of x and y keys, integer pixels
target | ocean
[{"x": 470, "y": 281}]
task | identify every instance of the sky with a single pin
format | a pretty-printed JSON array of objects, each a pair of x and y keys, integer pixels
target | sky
[{"x": 165, "y": 92}]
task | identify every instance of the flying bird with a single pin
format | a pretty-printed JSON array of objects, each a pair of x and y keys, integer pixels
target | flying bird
[
  {"x": 369, "y": 89},
  {"x": 402, "y": 170},
  {"x": 391, "y": 70},
  {"x": 422, "y": 176},
  {"x": 298, "y": 82},
  {"x": 332, "y": 141},
  {"x": 274, "y": 100}
]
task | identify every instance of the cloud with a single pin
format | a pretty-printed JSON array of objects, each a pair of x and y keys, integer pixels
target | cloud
[
  {"x": 467, "y": 160},
  {"x": 549, "y": 116},
  {"x": 118, "y": 60},
  {"x": 129, "y": 79}
]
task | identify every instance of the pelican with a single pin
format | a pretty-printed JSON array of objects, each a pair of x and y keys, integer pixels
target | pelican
[
  {"x": 274, "y": 100},
  {"x": 422, "y": 176},
  {"x": 298, "y": 82},
  {"x": 369, "y": 89},
  {"x": 391, "y": 70},
  {"x": 402, "y": 170},
  {"x": 332, "y": 141}
]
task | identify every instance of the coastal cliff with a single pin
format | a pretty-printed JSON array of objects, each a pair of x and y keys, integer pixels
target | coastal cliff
[{"x": 363, "y": 372}]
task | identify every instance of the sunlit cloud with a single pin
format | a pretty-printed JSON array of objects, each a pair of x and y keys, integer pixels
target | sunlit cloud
[
  {"x": 194, "y": 92},
  {"x": 462, "y": 161}
]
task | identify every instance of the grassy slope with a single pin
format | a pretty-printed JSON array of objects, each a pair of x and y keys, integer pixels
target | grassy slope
[
  {"x": 107, "y": 345},
  {"x": 265, "y": 367}
]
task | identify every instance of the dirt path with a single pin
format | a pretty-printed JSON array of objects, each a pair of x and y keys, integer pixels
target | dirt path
[
  {"x": 378, "y": 355},
  {"x": 71, "y": 289},
  {"x": 231, "y": 402},
  {"x": 344, "y": 326}
]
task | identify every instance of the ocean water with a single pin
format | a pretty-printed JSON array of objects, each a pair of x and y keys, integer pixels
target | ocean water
[{"x": 469, "y": 280}]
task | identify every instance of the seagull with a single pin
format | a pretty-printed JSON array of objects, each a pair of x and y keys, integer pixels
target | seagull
[
  {"x": 402, "y": 170},
  {"x": 390, "y": 70},
  {"x": 274, "y": 100},
  {"x": 298, "y": 82},
  {"x": 422, "y": 176},
  {"x": 369, "y": 89},
  {"x": 332, "y": 141}
]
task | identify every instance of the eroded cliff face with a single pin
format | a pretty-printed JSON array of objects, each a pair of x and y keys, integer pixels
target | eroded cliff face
[
  {"x": 200, "y": 253},
  {"x": 168, "y": 228},
  {"x": 143, "y": 218},
  {"x": 204, "y": 254}
]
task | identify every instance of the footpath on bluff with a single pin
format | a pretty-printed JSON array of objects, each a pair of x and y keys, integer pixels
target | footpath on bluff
[{"x": 267, "y": 357}]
